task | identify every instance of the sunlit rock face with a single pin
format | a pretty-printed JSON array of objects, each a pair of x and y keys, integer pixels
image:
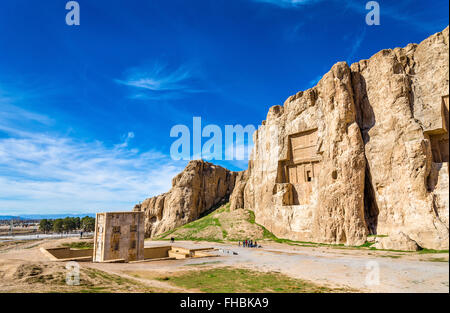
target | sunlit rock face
[
  {"x": 306, "y": 177},
  {"x": 402, "y": 101},
  {"x": 364, "y": 152},
  {"x": 200, "y": 187}
]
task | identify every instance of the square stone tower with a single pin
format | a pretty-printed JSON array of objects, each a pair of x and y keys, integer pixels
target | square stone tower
[{"x": 119, "y": 235}]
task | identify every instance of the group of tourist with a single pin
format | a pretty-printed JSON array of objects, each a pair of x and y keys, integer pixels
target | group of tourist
[{"x": 249, "y": 244}]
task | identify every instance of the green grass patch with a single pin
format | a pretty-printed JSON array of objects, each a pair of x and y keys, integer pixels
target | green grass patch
[
  {"x": 251, "y": 219},
  {"x": 232, "y": 280},
  {"x": 165, "y": 234},
  {"x": 79, "y": 245},
  {"x": 203, "y": 263},
  {"x": 422, "y": 251},
  {"x": 195, "y": 227},
  {"x": 436, "y": 260},
  {"x": 202, "y": 223},
  {"x": 428, "y": 251},
  {"x": 366, "y": 245}
]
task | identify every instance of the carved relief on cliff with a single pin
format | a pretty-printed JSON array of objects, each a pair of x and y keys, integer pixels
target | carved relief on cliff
[
  {"x": 439, "y": 137},
  {"x": 301, "y": 168}
]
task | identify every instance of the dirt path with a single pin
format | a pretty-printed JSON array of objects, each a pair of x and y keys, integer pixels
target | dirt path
[
  {"x": 331, "y": 267},
  {"x": 118, "y": 269},
  {"x": 398, "y": 272}
]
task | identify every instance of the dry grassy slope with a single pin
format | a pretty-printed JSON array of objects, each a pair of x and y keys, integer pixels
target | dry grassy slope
[
  {"x": 222, "y": 224},
  {"x": 24, "y": 276}
]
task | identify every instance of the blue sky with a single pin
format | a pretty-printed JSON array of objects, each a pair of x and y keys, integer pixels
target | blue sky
[{"x": 86, "y": 111}]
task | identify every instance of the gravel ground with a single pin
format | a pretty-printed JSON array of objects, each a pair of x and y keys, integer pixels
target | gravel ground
[{"x": 327, "y": 266}]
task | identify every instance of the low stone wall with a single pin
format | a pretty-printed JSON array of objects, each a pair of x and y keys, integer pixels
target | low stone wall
[
  {"x": 164, "y": 252},
  {"x": 174, "y": 252},
  {"x": 67, "y": 253},
  {"x": 156, "y": 252}
]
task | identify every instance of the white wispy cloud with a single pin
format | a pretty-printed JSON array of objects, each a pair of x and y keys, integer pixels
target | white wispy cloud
[
  {"x": 11, "y": 114},
  {"x": 399, "y": 11},
  {"x": 127, "y": 138},
  {"x": 160, "y": 81},
  {"x": 47, "y": 173},
  {"x": 356, "y": 45},
  {"x": 315, "y": 80}
]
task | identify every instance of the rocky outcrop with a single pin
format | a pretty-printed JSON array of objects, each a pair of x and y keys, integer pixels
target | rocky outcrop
[
  {"x": 363, "y": 152},
  {"x": 366, "y": 151},
  {"x": 396, "y": 241},
  {"x": 306, "y": 177},
  {"x": 197, "y": 189},
  {"x": 402, "y": 101},
  {"x": 237, "y": 197}
]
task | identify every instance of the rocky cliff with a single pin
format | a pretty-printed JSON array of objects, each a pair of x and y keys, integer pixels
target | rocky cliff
[
  {"x": 197, "y": 189},
  {"x": 363, "y": 152},
  {"x": 306, "y": 177}
]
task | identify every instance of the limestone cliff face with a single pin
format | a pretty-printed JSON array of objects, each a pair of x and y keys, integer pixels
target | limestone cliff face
[
  {"x": 363, "y": 152},
  {"x": 402, "y": 101},
  {"x": 197, "y": 189},
  {"x": 366, "y": 151},
  {"x": 306, "y": 177}
]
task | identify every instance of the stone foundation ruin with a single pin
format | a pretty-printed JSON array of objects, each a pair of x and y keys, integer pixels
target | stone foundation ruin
[{"x": 119, "y": 238}]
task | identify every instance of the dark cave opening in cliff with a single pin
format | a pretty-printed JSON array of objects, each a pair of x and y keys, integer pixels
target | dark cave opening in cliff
[{"x": 370, "y": 204}]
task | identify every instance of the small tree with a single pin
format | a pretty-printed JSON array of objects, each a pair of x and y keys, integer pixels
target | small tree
[
  {"x": 77, "y": 223},
  {"x": 58, "y": 225},
  {"x": 69, "y": 224},
  {"x": 88, "y": 224},
  {"x": 45, "y": 225}
]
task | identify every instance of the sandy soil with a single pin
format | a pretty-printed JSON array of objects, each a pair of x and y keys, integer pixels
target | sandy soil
[{"x": 23, "y": 268}]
